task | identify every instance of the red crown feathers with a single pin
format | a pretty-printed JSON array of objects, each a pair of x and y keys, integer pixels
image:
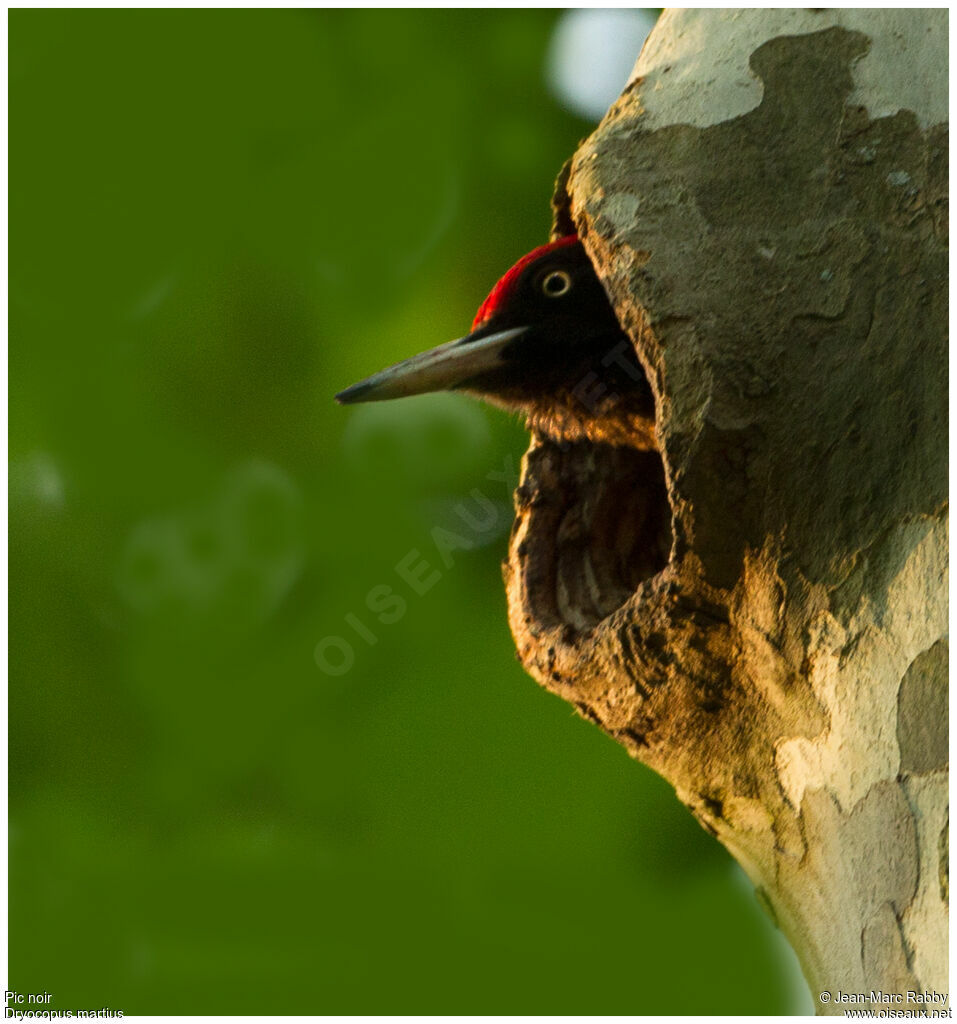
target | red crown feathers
[{"x": 502, "y": 291}]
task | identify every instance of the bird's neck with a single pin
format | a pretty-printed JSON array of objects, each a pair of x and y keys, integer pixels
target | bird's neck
[
  {"x": 620, "y": 420},
  {"x": 615, "y": 420}
]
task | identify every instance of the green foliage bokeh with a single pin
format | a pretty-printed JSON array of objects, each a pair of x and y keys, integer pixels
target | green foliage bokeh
[{"x": 217, "y": 220}]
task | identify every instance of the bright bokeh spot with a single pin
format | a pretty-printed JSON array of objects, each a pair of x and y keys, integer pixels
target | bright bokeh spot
[{"x": 591, "y": 56}]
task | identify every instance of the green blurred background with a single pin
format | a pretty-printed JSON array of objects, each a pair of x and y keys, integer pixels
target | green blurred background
[{"x": 217, "y": 220}]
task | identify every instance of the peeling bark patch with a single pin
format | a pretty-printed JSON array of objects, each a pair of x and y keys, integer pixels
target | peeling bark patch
[
  {"x": 707, "y": 92},
  {"x": 922, "y": 712},
  {"x": 884, "y": 957},
  {"x": 880, "y": 831}
]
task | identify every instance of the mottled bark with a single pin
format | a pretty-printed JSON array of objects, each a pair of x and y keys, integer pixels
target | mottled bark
[{"x": 759, "y": 611}]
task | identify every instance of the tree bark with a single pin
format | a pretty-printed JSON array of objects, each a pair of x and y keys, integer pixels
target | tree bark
[{"x": 758, "y": 611}]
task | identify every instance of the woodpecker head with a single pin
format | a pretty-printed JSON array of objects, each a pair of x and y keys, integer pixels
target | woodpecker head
[{"x": 546, "y": 342}]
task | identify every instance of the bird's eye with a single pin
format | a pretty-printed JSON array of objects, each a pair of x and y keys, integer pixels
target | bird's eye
[{"x": 556, "y": 284}]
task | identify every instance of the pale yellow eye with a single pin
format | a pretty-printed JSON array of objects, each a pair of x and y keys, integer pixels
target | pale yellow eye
[{"x": 556, "y": 284}]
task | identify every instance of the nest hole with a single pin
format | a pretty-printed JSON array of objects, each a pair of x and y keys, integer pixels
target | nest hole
[{"x": 602, "y": 527}]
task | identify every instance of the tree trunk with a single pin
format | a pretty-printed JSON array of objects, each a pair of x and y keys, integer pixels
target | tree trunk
[{"x": 759, "y": 611}]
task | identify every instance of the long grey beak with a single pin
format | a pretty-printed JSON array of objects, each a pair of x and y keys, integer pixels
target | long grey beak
[{"x": 436, "y": 370}]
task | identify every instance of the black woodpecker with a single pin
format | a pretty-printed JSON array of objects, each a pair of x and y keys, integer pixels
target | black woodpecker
[{"x": 546, "y": 343}]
